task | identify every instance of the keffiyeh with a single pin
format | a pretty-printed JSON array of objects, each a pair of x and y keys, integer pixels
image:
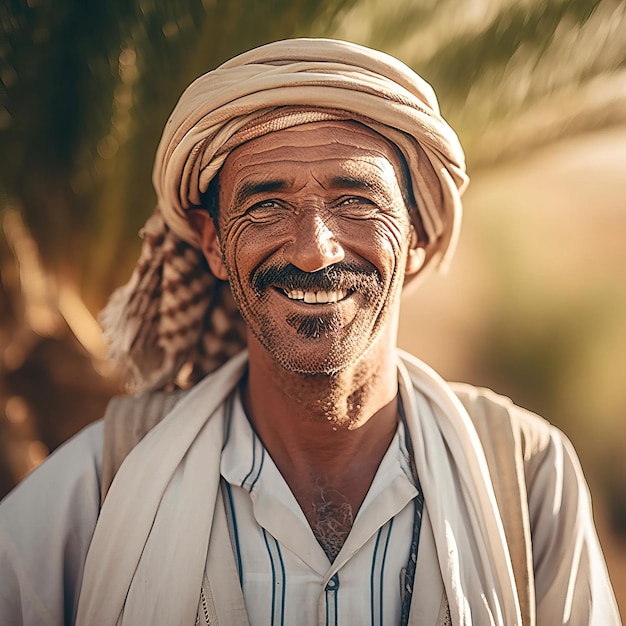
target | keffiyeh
[{"x": 174, "y": 317}]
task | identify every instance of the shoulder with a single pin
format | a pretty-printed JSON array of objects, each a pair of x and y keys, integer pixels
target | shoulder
[
  {"x": 569, "y": 572},
  {"x": 546, "y": 456},
  {"x": 126, "y": 421},
  {"x": 74, "y": 466},
  {"x": 535, "y": 434},
  {"x": 46, "y": 524}
]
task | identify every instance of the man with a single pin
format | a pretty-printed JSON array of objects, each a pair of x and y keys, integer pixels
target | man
[{"x": 321, "y": 476}]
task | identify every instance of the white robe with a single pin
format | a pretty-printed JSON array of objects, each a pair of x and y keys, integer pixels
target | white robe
[{"x": 46, "y": 525}]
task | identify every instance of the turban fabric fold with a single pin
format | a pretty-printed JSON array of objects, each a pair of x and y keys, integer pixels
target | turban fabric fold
[{"x": 173, "y": 316}]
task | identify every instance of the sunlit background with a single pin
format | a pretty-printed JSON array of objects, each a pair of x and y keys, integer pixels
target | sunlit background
[{"x": 535, "y": 303}]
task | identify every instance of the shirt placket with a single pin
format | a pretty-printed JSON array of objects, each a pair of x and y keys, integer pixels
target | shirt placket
[{"x": 328, "y": 613}]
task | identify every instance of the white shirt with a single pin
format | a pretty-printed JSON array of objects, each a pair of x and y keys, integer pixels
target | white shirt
[
  {"x": 286, "y": 576},
  {"x": 47, "y": 526}
]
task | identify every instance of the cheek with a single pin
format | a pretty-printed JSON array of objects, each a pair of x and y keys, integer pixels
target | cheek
[
  {"x": 247, "y": 244},
  {"x": 382, "y": 241}
]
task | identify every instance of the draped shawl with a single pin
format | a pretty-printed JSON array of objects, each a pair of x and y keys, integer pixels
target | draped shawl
[{"x": 148, "y": 555}]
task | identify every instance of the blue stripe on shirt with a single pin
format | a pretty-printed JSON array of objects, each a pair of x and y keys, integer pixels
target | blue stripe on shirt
[
  {"x": 254, "y": 446},
  {"x": 232, "y": 518},
  {"x": 382, "y": 569},
  {"x": 254, "y": 471},
  {"x": 260, "y": 468},
  {"x": 278, "y": 580},
  {"x": 377, "y": 573}
]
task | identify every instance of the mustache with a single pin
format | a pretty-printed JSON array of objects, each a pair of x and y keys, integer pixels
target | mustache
[{"x": 348, "y": 276}]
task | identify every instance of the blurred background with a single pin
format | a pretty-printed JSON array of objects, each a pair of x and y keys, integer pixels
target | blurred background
[{"x": 535, "y": 303}]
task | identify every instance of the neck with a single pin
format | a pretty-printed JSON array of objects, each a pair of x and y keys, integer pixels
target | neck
[
  {"x": 307, "y": 419},
  {"x": 326, "y": 433}
]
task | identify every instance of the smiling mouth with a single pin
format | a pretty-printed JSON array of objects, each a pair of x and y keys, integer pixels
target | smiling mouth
[{"x": 316, "y": 297}]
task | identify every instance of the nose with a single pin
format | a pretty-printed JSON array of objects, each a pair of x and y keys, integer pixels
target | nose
[{"x": 314, "y": 245}]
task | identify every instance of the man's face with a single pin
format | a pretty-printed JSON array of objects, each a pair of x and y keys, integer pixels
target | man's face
[{"x": 315, "y": 234}]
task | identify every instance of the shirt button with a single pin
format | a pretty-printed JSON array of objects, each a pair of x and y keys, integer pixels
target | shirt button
[{"x": 333, "y": 583}]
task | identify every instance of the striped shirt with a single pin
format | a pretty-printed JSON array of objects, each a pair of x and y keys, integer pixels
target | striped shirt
[{"x": 285, "y": 575}]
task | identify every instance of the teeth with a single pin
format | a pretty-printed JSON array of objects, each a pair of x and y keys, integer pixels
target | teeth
[{"x": 317, "y": 297}]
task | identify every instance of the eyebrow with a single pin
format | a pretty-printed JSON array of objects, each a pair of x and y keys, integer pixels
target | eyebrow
[
  {"x": 252, "y": 188},
  {"x": 349, "y": 182}
]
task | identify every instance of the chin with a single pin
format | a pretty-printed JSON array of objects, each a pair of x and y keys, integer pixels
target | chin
[
  {"x": 312, "y": 369},
  {"x": 313, "y": 346},
  {"x": 318, "y": 358}
]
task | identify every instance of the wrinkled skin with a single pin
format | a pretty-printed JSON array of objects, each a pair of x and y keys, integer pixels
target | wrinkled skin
[{"x": 316, "y": 208}]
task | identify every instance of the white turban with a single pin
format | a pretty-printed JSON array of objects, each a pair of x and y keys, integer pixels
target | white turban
[{"x": 173, "y": 311}]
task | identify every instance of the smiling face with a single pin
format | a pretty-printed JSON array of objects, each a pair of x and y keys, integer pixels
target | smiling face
[{"x": 315, "y": 238}]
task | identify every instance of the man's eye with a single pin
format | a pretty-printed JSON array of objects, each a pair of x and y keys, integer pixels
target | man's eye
[
  {"x": 355, "y": 200},
  {"x": 266, "y": 204},
  {"x": 268, "y": 209},
  {"x": 356, "y": 206}
]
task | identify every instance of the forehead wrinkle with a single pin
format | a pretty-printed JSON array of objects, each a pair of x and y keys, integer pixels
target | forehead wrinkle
[
  {"x": 380, "y": 174},
  {"x": 259, "y": 167}
]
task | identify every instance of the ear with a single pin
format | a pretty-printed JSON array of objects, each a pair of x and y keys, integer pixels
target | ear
[
  {"x": 202, "y": 224},
  {"x": 417, "y": 254}
]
